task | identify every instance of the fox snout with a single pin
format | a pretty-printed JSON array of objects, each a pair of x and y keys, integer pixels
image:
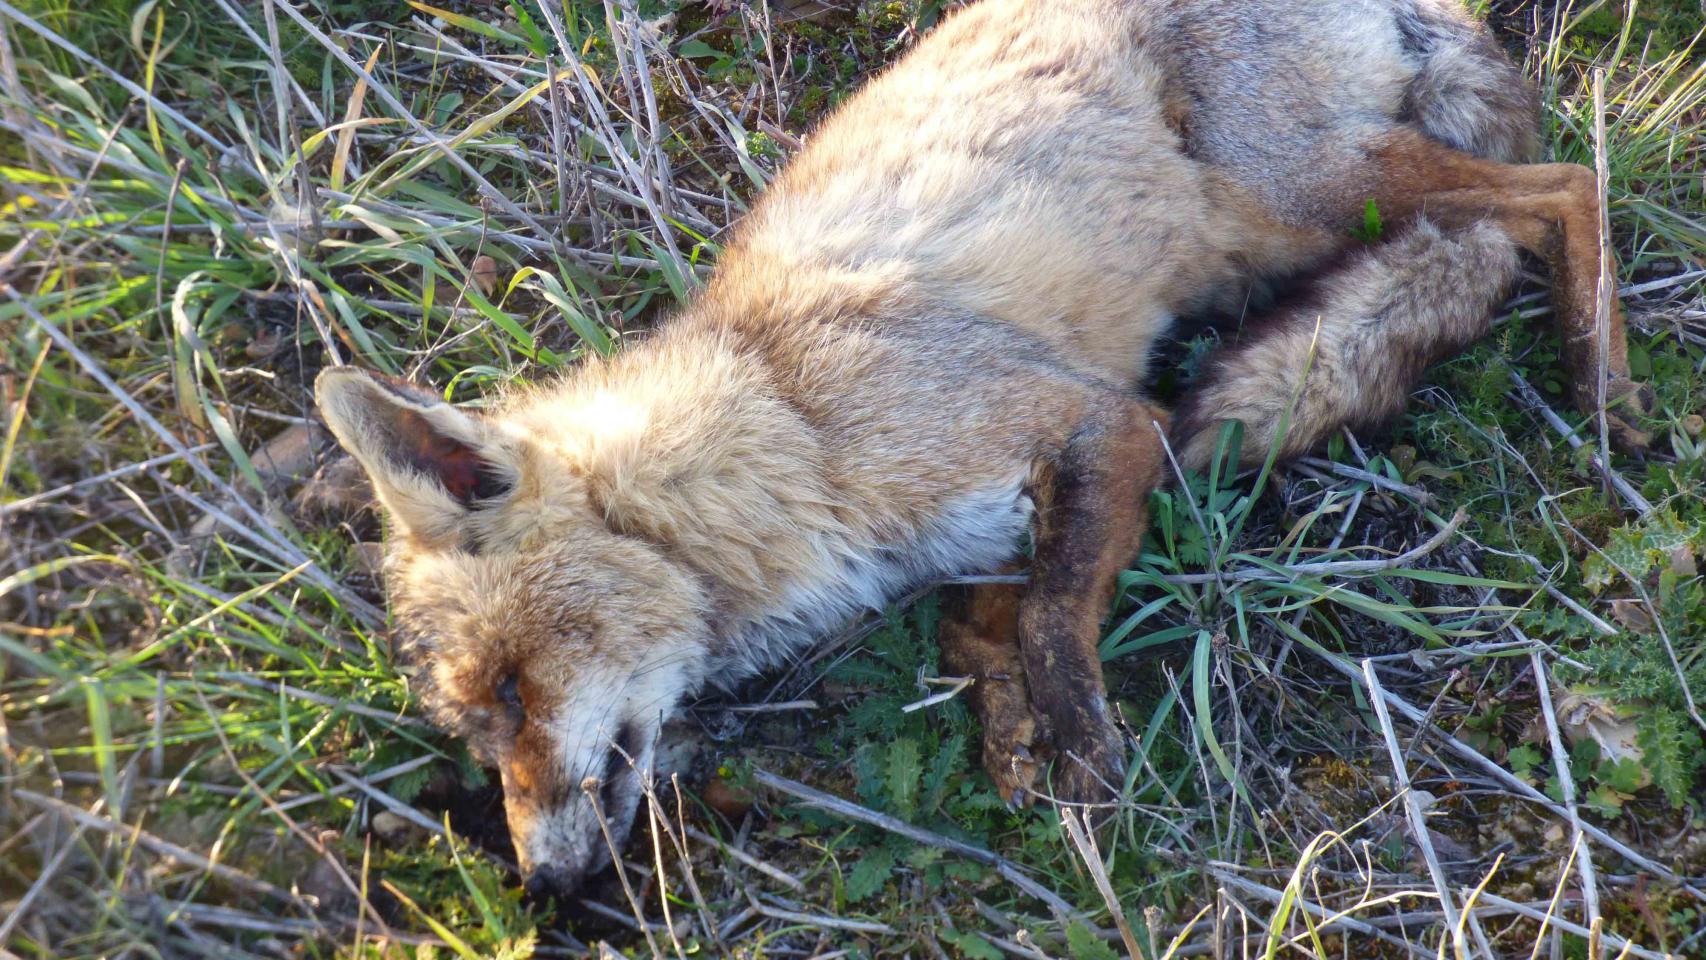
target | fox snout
[
  {"x": 548, "y": 880},
  {"x": 566, "y": 825}
]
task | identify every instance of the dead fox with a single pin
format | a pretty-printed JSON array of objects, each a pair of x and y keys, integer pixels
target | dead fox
[{"x": 926, "y": 339}]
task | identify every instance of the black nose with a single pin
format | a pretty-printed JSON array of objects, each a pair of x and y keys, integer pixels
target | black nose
[{"x": 547, "y": 881}]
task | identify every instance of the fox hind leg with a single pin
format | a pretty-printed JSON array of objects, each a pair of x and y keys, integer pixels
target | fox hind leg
[
  {"x": 1424, "y": 295},
  {"x": 979, "y": 639},
  {"x": 1351, "y": 351},
  {"x": 1552, "y": 211}
]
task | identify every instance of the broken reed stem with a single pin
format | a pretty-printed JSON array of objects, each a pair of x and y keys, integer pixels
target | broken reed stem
[
  {"x": 589, "y": 787},
  {"x": 1413, "y": 809},
  {"x": 1603, "y": 284},
  {"x": 1566, "y": 781},
  {"x": 1332, "y": 918},
  {"x": 161, "y": 848},
  {"x": 746, "y": 859},
  {"x": 1510, "y": 781}
]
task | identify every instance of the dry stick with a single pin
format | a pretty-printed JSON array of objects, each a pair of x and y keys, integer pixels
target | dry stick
[
  {"x": 852, "y": 811},
  {"x": 392, "y": 804},
  {"x": 747, "y": 859},
  {"x": 955, "y": 685},
  {"x": 782, "y": 707},
  {"x": 1603, "y": 283},
  {"x": 22, "y": 906},
  {"x": 1413, "y": 809},
  {"x": 635, "y": 74},
  {"x": 159, "y": 847},
  {"x": 819, "y": 920},
  {"x": 678, "y": 839},
  {"x": 595, "y": 106},
  {"x": 497, "y": 196},
  {"x": 1634, "y": 289},
  {"x": 1510, "y": 781},
  {"x": 1566, "y": 781},
  {"x": 100, "y": 478},
  {"x": 1531, "y": 398},
  {"x": 1369, "y": 477},
  {"x": 657, "y": 855},
  {"x": 1575, "y": 928},
  {"x": 589, "y": 787},
  {"x": 1092, "y": 857}
]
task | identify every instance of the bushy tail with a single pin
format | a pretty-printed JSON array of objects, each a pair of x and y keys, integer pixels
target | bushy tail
[
  {"x": 1467, "y": 93},
  {"x": 1349, "y": 353}
]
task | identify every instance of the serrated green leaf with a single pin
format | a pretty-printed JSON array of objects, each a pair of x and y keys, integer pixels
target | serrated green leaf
[
  {"x": 970, "y": 945},
  {"x": 1523, "y": 760},
  {"x": 1082, "y": 944},
  {"x": 870, "y": 874}
]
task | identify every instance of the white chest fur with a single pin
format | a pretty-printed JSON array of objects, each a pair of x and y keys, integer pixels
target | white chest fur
[{"x": 972, "y": 534}]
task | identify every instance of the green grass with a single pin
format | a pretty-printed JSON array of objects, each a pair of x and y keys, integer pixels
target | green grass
[{"x": 185, "y": 258}]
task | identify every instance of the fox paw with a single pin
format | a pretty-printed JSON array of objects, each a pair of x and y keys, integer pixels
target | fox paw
[
  {"x": 1010, "y": 761},
  {"x": 1626, "y": 400},
  {"x": 1090, "y": 768},
  {"x": 1011, "y": 742}
]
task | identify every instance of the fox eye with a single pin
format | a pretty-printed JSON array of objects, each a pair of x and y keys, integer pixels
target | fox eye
[{"x": 509, "y": 693}]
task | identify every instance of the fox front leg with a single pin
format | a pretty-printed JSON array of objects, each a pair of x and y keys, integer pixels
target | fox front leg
[{"x": 1091, "y": 514}]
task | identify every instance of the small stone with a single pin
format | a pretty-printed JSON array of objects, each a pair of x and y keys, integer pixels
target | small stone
[
  {"x": 727, "y": 799},
  {"x": 391, "y": 828},
  {"x": 1633, "y": 615}
]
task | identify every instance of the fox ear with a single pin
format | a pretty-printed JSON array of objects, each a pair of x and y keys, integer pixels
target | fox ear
[{"x": 423, "y": 455}]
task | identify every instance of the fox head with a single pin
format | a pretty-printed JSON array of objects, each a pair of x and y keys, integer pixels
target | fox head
[{"x": 553, "y": 644}]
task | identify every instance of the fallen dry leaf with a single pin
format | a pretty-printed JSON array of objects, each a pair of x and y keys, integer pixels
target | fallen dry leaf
[
  {"x": 485, "y": 274},
  {"x": 1633, "y": 615},
  {"x": 1591, "y": 715}
]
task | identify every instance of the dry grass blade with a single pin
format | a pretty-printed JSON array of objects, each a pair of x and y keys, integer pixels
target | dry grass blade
[
  {"x": 1085, "y": 843},
  {"x": 1530, "y": 398},
  {"x": 853, "y": 811}
]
